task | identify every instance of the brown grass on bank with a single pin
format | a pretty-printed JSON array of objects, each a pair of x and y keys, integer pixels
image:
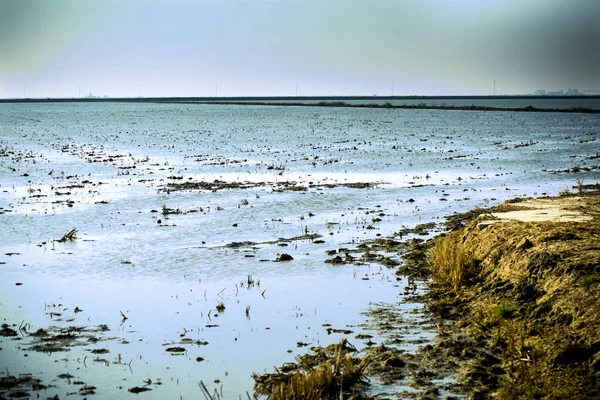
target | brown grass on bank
[
  {"x": 451, "y": 263},
  {"x": 333, "y": 375},
  {"x": 533, "y": 301}
]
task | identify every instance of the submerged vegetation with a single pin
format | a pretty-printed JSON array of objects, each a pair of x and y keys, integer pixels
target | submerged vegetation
[
  {"x": 326, "y": 373},
  {"x": 69, "y": 236}
]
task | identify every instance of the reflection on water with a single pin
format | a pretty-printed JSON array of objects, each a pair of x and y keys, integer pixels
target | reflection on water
[{"x": 338, "y": 176}]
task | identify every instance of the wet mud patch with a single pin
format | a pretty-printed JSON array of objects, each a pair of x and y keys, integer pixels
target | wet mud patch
[
  {"x": 402, "y": 363},
  {"x": 251, "y": 244},
  {"x": 55, "y": 339},
  {"x": 191, "y": 185},
  {"x": 195, "y": 185},
  {"x": 52, "y": 340},
  {"x": 405, "y": 256},
  {"x": 16, "y": 387}
]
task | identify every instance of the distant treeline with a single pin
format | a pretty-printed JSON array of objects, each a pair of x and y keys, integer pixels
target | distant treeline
[{"x": 420, "y": 106}]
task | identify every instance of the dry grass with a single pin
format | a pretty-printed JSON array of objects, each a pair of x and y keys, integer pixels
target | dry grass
[
  {"x": 328, "y": 379},
  {"x": 451, "y": 263},
  {"x": 535, "y": 307}
]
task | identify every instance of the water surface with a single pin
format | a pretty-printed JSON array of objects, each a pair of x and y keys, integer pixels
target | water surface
[{"x": 108, "y": 169}]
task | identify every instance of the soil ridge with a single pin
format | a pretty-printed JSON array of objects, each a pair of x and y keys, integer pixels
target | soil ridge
[{"x": 518, "y": 299}]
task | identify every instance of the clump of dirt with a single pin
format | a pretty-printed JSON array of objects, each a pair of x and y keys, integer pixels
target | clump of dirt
[
  {"x": 519, "y": 303},
  {"x": 7, "y": 331},
  {"x": 138, "y": 389},
  {"x": 421, "y": 229},
  {"x": 284, "y": 257}
]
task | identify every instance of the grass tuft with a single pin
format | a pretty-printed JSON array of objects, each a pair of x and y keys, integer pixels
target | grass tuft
[
  {"x": 564, "y": 193},
  {"x": 580, "y": 186},
  {"x": 506, "y": 309},
  {"x": 451, "y": 263}
]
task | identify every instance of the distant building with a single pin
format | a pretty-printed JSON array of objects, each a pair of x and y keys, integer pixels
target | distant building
[
  {"x": 558, "y": 93},
  {"x": 540, "y": 92}
]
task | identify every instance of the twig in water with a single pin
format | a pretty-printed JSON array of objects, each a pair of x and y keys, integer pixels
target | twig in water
[
  {"x": 69, "y": 236},
  {"x": 205, "y": 391}
]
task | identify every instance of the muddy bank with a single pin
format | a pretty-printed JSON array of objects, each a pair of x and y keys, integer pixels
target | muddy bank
[
  {"x": 513, "y": 297},
  {"x": 517, "y": 299}
]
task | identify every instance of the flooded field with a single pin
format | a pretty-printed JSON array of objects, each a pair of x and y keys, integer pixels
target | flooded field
[{"x": 157, "y": 246}]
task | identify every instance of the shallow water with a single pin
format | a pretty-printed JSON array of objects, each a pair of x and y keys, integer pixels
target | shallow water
[{"x": 104, "y": 169}]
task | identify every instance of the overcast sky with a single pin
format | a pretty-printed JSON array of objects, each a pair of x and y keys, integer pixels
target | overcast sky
[{"x": 61, "y": 48}]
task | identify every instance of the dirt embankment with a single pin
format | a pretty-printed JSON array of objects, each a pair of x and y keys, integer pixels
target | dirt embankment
[{"x": 517, "y": 293}]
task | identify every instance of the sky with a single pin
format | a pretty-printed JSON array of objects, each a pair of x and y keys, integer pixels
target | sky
[{"x": 124, "y": 48}]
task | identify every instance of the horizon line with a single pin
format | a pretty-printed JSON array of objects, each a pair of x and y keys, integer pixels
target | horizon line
[{"x": 306, "y": 97}]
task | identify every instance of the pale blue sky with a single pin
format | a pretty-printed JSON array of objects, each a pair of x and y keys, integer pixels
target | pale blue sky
[{"x": 264, "y": 47}]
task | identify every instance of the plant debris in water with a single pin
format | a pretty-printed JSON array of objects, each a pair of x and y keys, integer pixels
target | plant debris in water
[
  {"x": 325, "y": 373},
  {"x": 20, "y": 386},
  {"x": 69, "y": 236}
]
